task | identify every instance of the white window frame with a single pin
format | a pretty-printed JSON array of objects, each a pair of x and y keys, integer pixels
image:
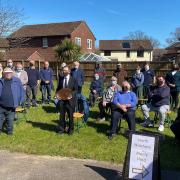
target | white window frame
[
  {"x": 78, "y": 41},
  {"x": 89, "y": 43},
  {"x": 45, "y": 42}
]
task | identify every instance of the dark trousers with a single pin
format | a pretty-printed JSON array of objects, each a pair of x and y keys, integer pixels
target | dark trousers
[
  {"x": 66, "y": 107},
  {"x": 92, "y": 98},
  {"x": 175, "y": 98},
  {"x": 102, "y": 109},
  {"x": 46, "y": 88},
  {"x": 31, "y": 90},
  {"x": 117, "y": 114},
  {"x": 79, "y": 89},
  {"x": 7, "y": 114}
]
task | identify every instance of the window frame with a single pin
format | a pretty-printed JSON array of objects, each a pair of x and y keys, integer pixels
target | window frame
[
  {"x": 89, "y": 43},
  {"x": 45, "y": 42},
  {"x": 78, "y": 41},
  {"x": 107, "y": 52},
  {"x": 139, "y": 55},
  {"x": 128, "y": 54}
]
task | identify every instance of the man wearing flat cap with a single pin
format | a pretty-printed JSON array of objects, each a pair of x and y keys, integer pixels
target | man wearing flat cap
[{"x": 11, "y": 96}]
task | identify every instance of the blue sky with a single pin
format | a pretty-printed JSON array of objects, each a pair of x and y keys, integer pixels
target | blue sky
[{"x": 108, "y": 19}]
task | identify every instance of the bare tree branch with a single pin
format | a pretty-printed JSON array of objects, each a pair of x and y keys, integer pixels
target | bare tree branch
[
  {"x": 11, "y": 18},
  {"x": 139, "y": 35},
  {"x": 174, "y": 36}
]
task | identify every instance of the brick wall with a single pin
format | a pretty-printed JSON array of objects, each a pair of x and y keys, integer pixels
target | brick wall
[{"x": 84, "y": 33}]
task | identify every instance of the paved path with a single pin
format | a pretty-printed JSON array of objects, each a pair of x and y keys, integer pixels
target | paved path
[{"x": 16, "y": 166}]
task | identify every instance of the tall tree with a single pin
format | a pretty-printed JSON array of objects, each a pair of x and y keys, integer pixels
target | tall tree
[
  {"x": 68, "y": 51},
  {"x": 139, "y": 35},
  {"x": 174, "y": 36},
  {"x": 11, "y": 18}
]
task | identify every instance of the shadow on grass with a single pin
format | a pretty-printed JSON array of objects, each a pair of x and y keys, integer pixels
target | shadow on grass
[
  {"x": 49, "y": 109},
  {"x": 100, "y": 127},
  {"x": 43, "y": 126},
  {"x": 109, "y": 174}
]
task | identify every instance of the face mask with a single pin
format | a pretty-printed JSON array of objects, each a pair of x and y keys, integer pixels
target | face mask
[
  {"x": 96, "y": 77},
  {"x": 113, "y": 83},
  {"x": 10, "y": 64},
  {"x": 146, "y": 68},
  {"x": 138, "y": 71},
  {"x": 19, "y": 70},
  {"x": 76, "y": 67}
]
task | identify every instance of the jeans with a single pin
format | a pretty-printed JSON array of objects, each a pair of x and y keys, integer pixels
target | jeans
[
  {"x": 44, "y": 88},
  {"x": 7, "y": 114},
  {"x": 146, "y": 108},
  {"x": 32, "y": 90},
  {"x": 117, "y": 114}
]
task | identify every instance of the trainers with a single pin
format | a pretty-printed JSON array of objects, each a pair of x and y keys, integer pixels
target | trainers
[
  {"x": 145, "y": 123},
  {"x": 161, "y": 128},
  {"x": 150, "y": 124},
  {"x": 101, "y": 119}
]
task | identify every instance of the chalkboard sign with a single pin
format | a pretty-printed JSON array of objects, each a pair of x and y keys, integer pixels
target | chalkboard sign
[{"x": 142, "y": 160}]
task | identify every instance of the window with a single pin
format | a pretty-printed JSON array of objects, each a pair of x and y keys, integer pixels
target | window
[
  {"x": 125, "y": 45},
  {"x": 78, "y": 41},
  {"x": 140, "y": 53},
  {"x": 89, "y": 43},
  {"x": 128, "y": 54},
  {"x": 45, "y": 42},
  {"x": 107, "y": 53}
]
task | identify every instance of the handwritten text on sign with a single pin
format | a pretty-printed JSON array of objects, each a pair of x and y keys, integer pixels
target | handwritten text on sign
[{"x": 141, "y": 157}]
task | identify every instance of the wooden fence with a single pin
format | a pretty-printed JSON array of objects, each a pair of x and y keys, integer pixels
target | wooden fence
[{"x": 160, "y": 67}]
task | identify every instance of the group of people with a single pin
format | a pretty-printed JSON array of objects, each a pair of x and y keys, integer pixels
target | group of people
[{"x": 120, "y": 97}]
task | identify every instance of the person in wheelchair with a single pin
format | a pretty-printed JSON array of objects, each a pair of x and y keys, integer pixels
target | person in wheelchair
[
  {"x": 158, "y": 101},
  {"x": 96, "y": 89},
  {"x": 107, "y": 99}
]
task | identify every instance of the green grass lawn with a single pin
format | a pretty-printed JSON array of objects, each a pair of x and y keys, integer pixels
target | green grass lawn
[{"x": 37, "y": 136}]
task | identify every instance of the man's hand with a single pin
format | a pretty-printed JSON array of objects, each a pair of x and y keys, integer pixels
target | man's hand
[
  {"x": 122, "y": 107},
  {"x": 94, "y": 91},
  {"x": 104, "y": 103},
  {"x": 70, "y": 97},
  {"x": 47, "y": 82},
  {"x": 172, "y": 85}
]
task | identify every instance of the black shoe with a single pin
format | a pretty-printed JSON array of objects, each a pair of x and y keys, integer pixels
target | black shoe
[
  {"x": 60, "y": 132},
  {"x": 9, "y": 133},
  {"x": 0, "y": 132},
  {"x": 70, "y": 133},
  {"x": 110, "y": 137}
]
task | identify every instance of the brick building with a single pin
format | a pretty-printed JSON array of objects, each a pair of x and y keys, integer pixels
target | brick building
[{"x": 37, "y": 42}]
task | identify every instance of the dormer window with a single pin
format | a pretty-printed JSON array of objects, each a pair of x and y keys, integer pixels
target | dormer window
[
  {"x": 126, "y": 45},
  {"x": 45, "y": 42}
]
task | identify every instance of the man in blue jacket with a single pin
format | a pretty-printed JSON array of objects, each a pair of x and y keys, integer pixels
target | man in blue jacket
[
  {"x": 46, "y": 77},
  {"x": 125, "y": 102},
  {"x": 78, "y": 75},
  {"x": 11, "y": 96},
  {"x": 158, "y": 101}
]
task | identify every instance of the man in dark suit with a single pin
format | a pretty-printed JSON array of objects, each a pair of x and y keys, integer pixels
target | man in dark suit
[
  {"x": 78, "y": 75},
  {"x": 67, "y": 106}
]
